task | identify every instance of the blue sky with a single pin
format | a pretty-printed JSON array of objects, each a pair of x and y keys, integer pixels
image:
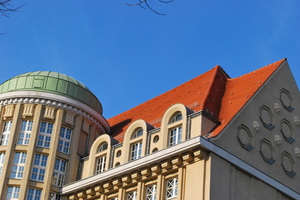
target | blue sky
[{"x": 128, "y": 55}]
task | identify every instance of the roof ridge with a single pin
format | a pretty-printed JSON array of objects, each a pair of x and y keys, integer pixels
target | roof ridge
[
  {"x": 242, "y": 94},
  {"x": 205, "y": 73}
]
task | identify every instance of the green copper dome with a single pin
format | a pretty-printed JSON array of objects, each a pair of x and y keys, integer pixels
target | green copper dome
[{"x": 52, "y": 82}]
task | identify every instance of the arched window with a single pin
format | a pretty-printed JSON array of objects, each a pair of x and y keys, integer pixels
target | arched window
[
  {"x": 136, "y": 147},
  {"x": 175, "y": 133},
  {"x": 102, "y": 147},
  {"x": 137, "y": 133},
  {"x": 176, "y": 117}
]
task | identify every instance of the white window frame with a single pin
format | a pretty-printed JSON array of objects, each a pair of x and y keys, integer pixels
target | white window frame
[
  {"x": 135, "y": 151},
  {"x": 175, "y": 135},
  {"x": 131, "y": 195},
  {"x": 12, "y": 193},
  {"x": 45, "y": 133},
  {"x": 5, "y": 133},
  {"x": 64, "y": 140},
  {"x": 25, "y": 132},
  {"x": 137, "y": 133},
  {"x": 2, "y": 157},
  {"x": 171, "y": 188},
  {"x": 18, "y": 166},
  {"x": 102, "y": 147},
  {"x": 100, "y": 164},
  {"x": 59, "y": 172},
  {"x": 176, "y": 117},
  {"x": 39, "y": 167},
  {"x": 33, "y": 194},
  {"x": 151, "y": 191}
]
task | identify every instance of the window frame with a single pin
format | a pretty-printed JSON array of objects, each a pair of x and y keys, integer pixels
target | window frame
[
  {"x": 135, "y": 151},
  {"x": 44, "y": 136},
  {"x": 14, "y": 194},
  {"x": 59, "y": 172},
  {"x": 151, "y": 192},
  {"x": 64, "y": 142},
  {"x": 100, "y": 164},
  {"x": 25, "y": 132},
  {"x": 137, "y": 133},
  {"x": 171, "y": 188},
  {"x": 175, "y": 136},
  {"x": 102, "y": 147},
  {"x": 39, "y": 167},
  {"x": 17, "y": 168},
  {"x": 5, "y": 133},
  {"x": 132, "y": 195},
  {"x": 33, "y": 194},
  {"x": 2, "y": 158}
]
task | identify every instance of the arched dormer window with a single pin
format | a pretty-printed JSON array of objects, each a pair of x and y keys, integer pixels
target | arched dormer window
[
  {"x": 136, "y": 146},
  {"x": 137, "y": 133},
  {"x": 175, "y": 133},
  {"x": 102, "y": 147},
  {"x": 176, "y": 117},
  {"x": 101, "y": 159}
]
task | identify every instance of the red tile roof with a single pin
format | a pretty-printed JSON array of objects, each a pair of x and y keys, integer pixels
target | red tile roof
[
  {"x": 239, "y": 90},
  {"x": 212, "y": 92}
]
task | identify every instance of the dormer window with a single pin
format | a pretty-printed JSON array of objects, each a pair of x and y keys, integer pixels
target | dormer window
[
  {"x": 102, "y": 147},
  {"x": 176, "y": 117},
  {"x": 137, "y": 133}
]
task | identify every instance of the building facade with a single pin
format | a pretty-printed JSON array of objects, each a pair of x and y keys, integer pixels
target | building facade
[{"x": 213, "y": 137}]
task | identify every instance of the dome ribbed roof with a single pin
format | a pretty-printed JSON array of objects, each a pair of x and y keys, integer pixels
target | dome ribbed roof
[{"x": 52, "y": 82}]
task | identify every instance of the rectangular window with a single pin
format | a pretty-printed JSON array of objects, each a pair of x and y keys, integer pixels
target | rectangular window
[
  {"x": 34, "y": 194},
  {"x": 175, "y": 136},
  {"x": 132, "y": 195},
  {"x": 100, "y": 164},
  {"x": 39, "y": 167},
  {"x": 44, "y": 136},
  {"x": 64, "y": 140},
  {"x": 18, "y": 165},
  {"x": 25, "y": 132},
  {"x": 59, "y": 172},
  {"x": 2, "y": 156},
  {"x": 55, "y": 196},
  {"x": 171, "y": 188},
  {"x": 12, "y": 193},
  {"x": 135, "y": 151},
  {"x": 151, "y": 192},
  {"x": 5, "y": 133}
]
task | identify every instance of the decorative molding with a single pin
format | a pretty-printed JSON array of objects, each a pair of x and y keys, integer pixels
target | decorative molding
[
  {"x": 266, "y": 151},
  {"x": 9, "y": 111},
  {"x": 60, "y": 102},
  {"x": 266, "y": 117},
  {"x": 286, "y": 99},
  {"x": 245, "y": 137}
]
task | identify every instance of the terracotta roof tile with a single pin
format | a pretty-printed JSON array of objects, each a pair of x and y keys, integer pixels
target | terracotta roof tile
[
  {"x": 212, "y": 92},
  {"x": 239, "y": 90},
  {"x": 192, "y": 94}
]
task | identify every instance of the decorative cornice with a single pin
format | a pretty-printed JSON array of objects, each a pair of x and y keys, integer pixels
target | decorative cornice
[{"x": 56, "y": 101}]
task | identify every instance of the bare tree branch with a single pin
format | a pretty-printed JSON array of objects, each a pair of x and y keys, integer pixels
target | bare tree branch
[
  {"x": 144, "y": 4},
  {"x": 6, "y": 7}
]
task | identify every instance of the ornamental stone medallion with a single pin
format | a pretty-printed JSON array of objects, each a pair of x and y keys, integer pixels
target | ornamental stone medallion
[
  {"x": 244, "y": 137},
  {"x": 286, "y": 100},
  {"x": 266, "y": 117},
  {"x": 287, "y": 131},
  {"x": 288, "y": 164},
  {"x": 266, "y": 151}
]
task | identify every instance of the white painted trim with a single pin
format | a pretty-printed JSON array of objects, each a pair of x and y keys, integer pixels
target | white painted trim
[
  {"x": 58, "y": 98},
  {"x": 248, "y": 168}
]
